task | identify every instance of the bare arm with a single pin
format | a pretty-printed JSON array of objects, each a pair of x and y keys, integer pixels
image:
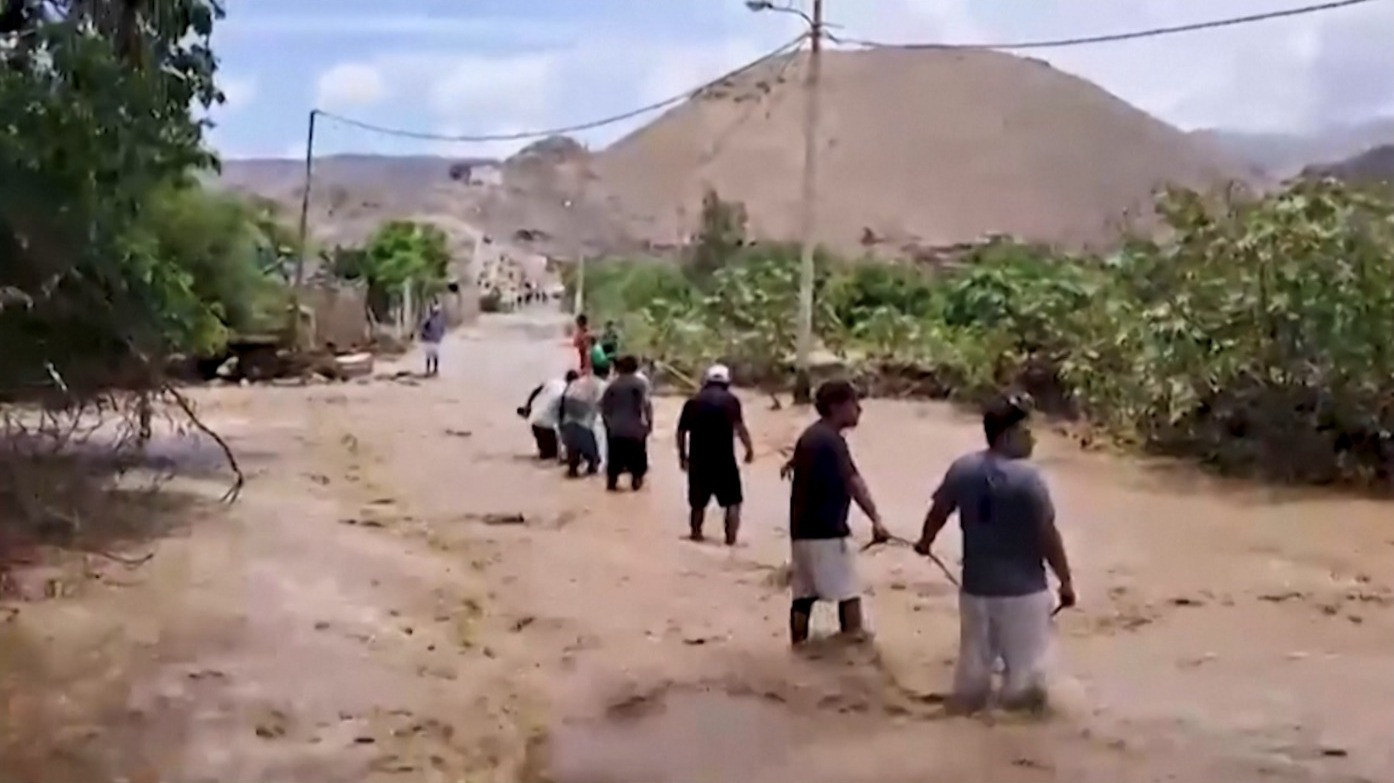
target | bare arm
[
  {"x": 943, "y": 506},
  {"x": 1054, "y": 546},
  {"x": 527, "y": 406},
  {"x": 684, "y": 425},
  {"x": 742, "y": 432},
  {"x": 856, "y": 487},
  {"x": 938, "y": 516}
]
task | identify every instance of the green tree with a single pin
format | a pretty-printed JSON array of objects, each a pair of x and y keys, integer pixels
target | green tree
[
  {"x": 97, "y": 101},
  {"x": 400, "y": 255},
  {"x": 720, "y": 235}
]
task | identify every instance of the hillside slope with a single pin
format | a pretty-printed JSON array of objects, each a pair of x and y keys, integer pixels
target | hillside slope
[
  {"x": 918, "y": 147},
  {"x": 1375, "y": 166}
]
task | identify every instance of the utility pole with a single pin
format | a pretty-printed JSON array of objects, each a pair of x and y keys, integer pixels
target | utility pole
[
  {"x": 304, "y": 229},
  {"x": 802, "y": 373},
  {"x": 808, "y": 202},
  {"x": 579, "y": 305}
]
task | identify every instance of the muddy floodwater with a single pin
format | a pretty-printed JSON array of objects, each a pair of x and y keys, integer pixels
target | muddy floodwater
[{"x": 403, "y": 594}]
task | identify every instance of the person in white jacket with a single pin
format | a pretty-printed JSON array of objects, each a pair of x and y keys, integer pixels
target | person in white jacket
[{"x": 541, "y": 411}]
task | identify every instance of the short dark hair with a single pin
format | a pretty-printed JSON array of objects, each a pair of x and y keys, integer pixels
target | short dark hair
[
  {"x": 627, "y": 364},
  {"x": 1002, "y": 414},
  {"x": 831, "y": 394},
  {"x": 582, "y": 320}
]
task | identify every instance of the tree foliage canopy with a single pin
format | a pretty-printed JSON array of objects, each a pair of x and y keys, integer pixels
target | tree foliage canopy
[{"x": 97, "y": 104}]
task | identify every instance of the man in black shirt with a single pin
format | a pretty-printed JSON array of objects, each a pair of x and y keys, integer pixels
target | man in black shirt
[
  {"x": 825, "y": 482},
  {"x": 707, "y": 427}
]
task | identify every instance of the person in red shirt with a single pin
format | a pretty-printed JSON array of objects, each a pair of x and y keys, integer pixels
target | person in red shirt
[{"x": 582, "y": 342}]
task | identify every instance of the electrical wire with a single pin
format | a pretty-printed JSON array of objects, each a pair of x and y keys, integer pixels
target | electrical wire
[
  {"x": 568, "y": 129},
  {"x": 1112, "y": 37}
]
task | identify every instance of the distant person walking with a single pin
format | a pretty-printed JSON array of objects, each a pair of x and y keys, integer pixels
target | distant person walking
[
  {"x": 432, "y": 333},
  {"x": 1009, "y": 536},
  {"x": 627, "y": 411},
  {"x": 825, "y": 482},
  {"x": 542, "y": 410},
  {"x": 580, "y": 404},
  {"x": 707, "y": 428}
]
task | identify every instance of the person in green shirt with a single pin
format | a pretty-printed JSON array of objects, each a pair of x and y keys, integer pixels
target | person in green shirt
[{"x": 600, "y": 361}]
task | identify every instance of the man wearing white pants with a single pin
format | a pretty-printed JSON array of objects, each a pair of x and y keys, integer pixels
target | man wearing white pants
[
  {"x": 825, "y": 482},
  {"x": 1009, "y": 536}
]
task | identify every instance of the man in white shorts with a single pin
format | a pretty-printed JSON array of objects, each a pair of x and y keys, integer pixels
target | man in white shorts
[
  {"x": 825, "y": 482},
  {"x": 1009, "y": 536}
]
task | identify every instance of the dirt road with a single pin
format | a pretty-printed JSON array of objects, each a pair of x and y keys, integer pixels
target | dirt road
[{"x": 401, "y": 594}]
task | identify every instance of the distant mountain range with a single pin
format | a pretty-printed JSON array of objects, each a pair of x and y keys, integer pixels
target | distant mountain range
[{"x": 1284, "y": 155}]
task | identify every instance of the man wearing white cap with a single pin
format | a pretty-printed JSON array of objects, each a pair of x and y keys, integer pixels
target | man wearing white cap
[{"x": 707, "y": 428}]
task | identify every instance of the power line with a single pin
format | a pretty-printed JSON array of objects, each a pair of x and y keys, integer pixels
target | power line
[
  {"x": 568, "y": 129},
  {"x": 1112, "y": 37}
]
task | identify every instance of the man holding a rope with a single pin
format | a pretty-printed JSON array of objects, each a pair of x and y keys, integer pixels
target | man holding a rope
[
  {"x": 825, "y": 482},
  {"x": 1009, "y": 536}
]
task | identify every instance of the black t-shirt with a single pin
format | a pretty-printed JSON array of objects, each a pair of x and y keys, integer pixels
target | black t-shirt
[
  {"x": 819, "y": 500},
  {"x": 710, "y": 418}
]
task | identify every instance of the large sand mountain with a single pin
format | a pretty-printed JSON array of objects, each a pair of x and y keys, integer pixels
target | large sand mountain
[
  {"x": 919, "y": 148},
  {"x": 922, "y": 147}
]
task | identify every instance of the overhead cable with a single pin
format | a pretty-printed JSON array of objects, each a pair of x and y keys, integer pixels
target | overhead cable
[
  {"x": 1059, "y": 43},
  {"x": 566, "y": 129}
]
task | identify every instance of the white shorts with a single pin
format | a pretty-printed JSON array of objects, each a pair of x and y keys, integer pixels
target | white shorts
[
  {"x": 1014, "y": 630},
  {"x": 432, "y": 350},
  {"x": 824, "y": 568}
]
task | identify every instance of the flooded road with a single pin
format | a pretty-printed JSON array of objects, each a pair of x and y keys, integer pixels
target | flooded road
[{"x": 403, "y": 595}]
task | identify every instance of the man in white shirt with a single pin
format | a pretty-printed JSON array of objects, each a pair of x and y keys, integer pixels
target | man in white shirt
[{"x": 541, "y": 410}]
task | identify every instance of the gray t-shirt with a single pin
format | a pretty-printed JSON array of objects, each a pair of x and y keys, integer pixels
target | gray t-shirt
[{"x": 1002, "y": 506}]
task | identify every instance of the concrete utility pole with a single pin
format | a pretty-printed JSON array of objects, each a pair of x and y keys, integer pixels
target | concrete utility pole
[{"x": 808, "y": 217}]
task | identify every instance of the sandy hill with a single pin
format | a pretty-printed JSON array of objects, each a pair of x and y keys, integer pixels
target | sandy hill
[
  {"x": 919, "y": 147},
  {"x": 1374, "y": 166},
  {"x": 545, "y": 199}
]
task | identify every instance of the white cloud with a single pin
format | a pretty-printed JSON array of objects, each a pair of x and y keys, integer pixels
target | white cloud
[
  {"x": 350, "y": 86},
  {"x": 471, "y": 91},
  {"x": 1289, "y": 74}
]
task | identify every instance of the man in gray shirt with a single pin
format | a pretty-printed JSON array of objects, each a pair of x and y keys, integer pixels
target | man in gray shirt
[
  {"x": 1009, "y": 536},
  {"x": 628, "y": 414}
]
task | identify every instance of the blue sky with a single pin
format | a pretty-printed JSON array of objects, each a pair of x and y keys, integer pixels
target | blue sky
[{"x": 499, "y": 66}]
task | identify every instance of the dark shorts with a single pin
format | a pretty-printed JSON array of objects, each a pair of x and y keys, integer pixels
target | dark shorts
[
  {"x": 627, "y": 455},
  {"x": 721, "y": 481},
  {"x": 546, "y": 438}
]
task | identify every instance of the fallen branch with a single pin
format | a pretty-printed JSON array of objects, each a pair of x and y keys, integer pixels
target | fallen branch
[{"x": 239, "y": 479}]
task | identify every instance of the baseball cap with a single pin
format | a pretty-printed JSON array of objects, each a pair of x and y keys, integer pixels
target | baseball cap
[{"x": 717, "y": 373}]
